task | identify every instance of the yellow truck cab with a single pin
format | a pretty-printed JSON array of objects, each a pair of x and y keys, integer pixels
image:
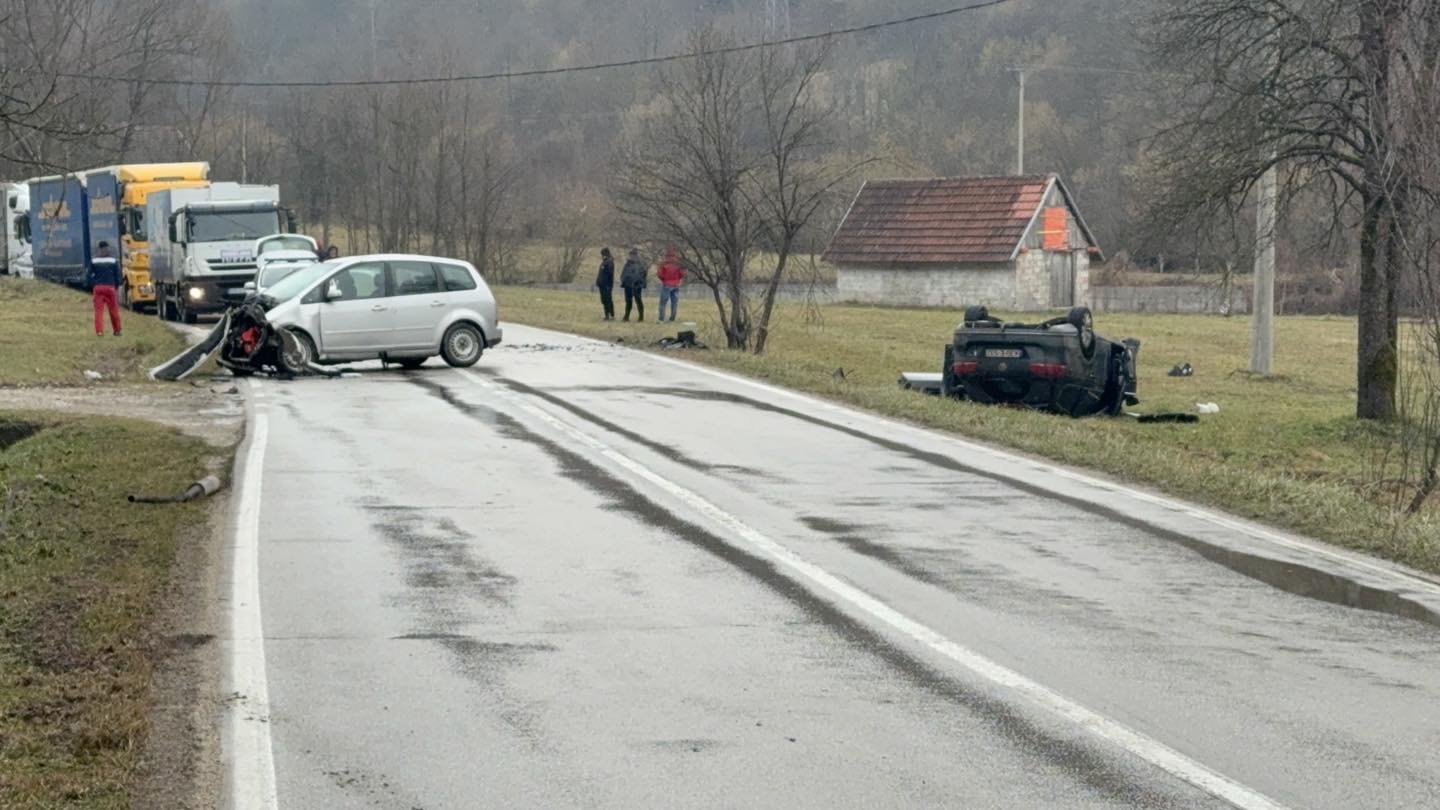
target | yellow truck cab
[{"x": 137, "y": 182}]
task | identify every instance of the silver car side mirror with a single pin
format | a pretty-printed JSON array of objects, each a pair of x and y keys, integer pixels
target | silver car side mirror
[{"x": 332, "y": 291}]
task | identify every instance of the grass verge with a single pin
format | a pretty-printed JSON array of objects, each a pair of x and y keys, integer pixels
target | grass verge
[
  {"x": 82, "y": 574},
  {"x": 47, "y": 337},
  {"x": 1285, "y": 450}
]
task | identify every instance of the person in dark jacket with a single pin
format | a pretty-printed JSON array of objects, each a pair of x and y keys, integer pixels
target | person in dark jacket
[
  {"x": 103, "y": 277},
  {"x": 632, "y": 279},
  {"x": 605, "y": 283}
]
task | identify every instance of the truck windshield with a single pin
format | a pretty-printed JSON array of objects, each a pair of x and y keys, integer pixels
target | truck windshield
[{"x": 214, "y": 226}]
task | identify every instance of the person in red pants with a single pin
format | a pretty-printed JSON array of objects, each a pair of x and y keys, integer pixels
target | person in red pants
[{"x": 104, "y": 280}]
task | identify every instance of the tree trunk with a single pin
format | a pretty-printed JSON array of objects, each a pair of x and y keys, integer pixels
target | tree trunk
[
  {"x": 1376, "y": 371},
  {"x": 1376, "y": 359},
  {"x": 767, "y": 306}
]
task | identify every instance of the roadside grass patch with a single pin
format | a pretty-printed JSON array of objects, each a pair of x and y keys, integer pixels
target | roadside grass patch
[
  {"x": 82, "y": 574},
  {"x": 1286, "y": 451},
  {"x": 47, "y": 337}
]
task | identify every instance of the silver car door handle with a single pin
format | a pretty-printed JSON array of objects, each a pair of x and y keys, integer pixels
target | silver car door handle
[
  {"x": 377, "y": 308},
  {"x": 437, "y": 303}
]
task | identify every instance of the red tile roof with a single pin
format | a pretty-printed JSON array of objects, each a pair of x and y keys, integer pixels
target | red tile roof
[{"x": 942, "y": 221}]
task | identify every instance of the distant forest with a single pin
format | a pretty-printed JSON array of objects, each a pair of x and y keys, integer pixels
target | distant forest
[{"x": 483, "y": 167}]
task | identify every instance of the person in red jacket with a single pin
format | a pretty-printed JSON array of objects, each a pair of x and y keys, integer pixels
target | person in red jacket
[{"x": 672, "y": 275}]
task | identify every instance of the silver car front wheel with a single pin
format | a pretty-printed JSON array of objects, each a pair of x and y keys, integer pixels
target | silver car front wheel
[{"x": 296, "y": 352}]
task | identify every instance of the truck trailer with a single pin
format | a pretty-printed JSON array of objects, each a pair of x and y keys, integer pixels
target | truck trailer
[
  {"x": 60, "y": 238},
  {"x": 135, "y": 183},
  {"x": 202, "y": 243}
]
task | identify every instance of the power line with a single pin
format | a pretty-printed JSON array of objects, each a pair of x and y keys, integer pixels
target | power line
[{"x": 520, "y": 74}]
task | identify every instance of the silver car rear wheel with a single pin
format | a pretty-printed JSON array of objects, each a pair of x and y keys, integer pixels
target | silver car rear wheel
[{"x": 462, "y": 345}]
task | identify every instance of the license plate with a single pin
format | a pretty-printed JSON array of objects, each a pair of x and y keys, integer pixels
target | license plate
[{"x": 1007, "y": 353}]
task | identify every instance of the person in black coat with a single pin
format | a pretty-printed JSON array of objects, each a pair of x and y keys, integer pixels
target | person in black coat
[
  {"x": 632, "y": 279},
  {"x": 605, "y": 283}
]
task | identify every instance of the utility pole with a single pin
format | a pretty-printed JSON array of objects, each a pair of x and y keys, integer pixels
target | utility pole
[
  {"x": 1020, "y": 125},
  {"x": 374, "y": 44},
  {"x": 1262, "y": 310},
  {"x": 777, "y": 17},
  {"x": 245, "y": 144}
]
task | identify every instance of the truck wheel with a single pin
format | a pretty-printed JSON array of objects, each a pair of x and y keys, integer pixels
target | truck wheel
[
  {"x": 184, "y": 315},
  {"x": 462, "y": 345}
]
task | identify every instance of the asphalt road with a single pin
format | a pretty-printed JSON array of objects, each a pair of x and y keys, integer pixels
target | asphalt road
[{"x": 585, "y": 577}]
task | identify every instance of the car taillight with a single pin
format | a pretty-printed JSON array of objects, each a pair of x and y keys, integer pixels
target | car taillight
[
  {"x": 964, "y": 368},
  {"x": 1048, "y": 371}
]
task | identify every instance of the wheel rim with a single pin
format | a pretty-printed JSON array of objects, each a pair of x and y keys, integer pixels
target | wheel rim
[
  {"x": 463, "y": 344},
  {"x": 297, "y": 351}
]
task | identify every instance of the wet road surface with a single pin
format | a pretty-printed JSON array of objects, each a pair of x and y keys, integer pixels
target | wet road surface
[{"x": 530, "y": 585}]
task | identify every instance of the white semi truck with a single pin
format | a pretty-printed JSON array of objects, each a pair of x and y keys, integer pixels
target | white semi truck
[
  {"x": 202, "y": 243},
  {"x": 15, "y": 197}
]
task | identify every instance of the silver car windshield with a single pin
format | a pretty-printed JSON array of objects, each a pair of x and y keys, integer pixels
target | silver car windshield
[
  {"x": 299, "y": 281},
  {"x": 273, "y": 273}
]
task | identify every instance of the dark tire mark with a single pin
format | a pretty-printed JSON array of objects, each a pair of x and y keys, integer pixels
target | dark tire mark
[
  {"x": 850, "y": 535},
  {"x": 1295, "y": 578},
  {"x": 1081, "y": 758},
  {"x": 619, "y": 430}
]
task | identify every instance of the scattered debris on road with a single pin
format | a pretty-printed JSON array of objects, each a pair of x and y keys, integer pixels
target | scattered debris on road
[
  {"x": 684, "y": 340},
  {"x": 245, "y": 343},
  {"x": 1182, "y": 370},
  {"x": 93, "y": 375}
]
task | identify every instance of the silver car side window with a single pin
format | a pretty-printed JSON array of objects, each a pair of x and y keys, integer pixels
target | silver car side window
[{"x": 360, "y": 282}]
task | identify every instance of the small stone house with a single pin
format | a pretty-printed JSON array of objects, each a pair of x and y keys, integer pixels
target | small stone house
[{"x": 1011, "y": 243}]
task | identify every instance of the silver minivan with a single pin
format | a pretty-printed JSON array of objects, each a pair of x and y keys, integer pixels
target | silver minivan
[{"x": 402, "y": 309}]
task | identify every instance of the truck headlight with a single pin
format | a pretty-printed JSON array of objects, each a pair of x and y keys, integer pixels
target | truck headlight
[
  {"x": 197, "y": 293},
  {"x": 146, "y": 289}
]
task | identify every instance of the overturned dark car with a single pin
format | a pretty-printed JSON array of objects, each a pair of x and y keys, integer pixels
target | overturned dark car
[{"x": 1059, "y": 365}]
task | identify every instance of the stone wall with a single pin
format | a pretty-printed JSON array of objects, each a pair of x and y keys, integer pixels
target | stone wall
[
  {"x": 1192, "y": 299},
  {"x": 939, "y": 286},
  {"x": 1032, "y": 283}
]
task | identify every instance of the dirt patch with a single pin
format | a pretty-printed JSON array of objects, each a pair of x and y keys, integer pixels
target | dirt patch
[
  {"x": 212, "y": 409},
  {"x": 180, "y": 766}
]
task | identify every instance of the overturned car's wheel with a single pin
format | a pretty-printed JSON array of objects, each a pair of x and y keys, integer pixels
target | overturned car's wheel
[
  {"x": 462, "y": 345},
  {"x": 1084, "y": 324},
  {"x": 296, "y": 351}
]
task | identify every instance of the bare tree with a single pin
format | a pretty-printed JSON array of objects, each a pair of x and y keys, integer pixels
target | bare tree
[
  {"x": 1304, "y": 85},
  {"x": 728, "y": 167}
]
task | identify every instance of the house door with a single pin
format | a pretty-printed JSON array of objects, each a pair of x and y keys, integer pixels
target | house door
[{"x": 1062, "y": 278}]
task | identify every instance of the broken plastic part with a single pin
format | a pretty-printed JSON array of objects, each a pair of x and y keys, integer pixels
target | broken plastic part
[{"x": 205, "y": 487}]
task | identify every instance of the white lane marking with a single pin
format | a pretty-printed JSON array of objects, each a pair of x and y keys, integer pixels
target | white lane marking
[
  {"x": 252, "y": 760},
  {"x": 1150, "y": 750},
  {"x": 1412, "y": 579}
]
